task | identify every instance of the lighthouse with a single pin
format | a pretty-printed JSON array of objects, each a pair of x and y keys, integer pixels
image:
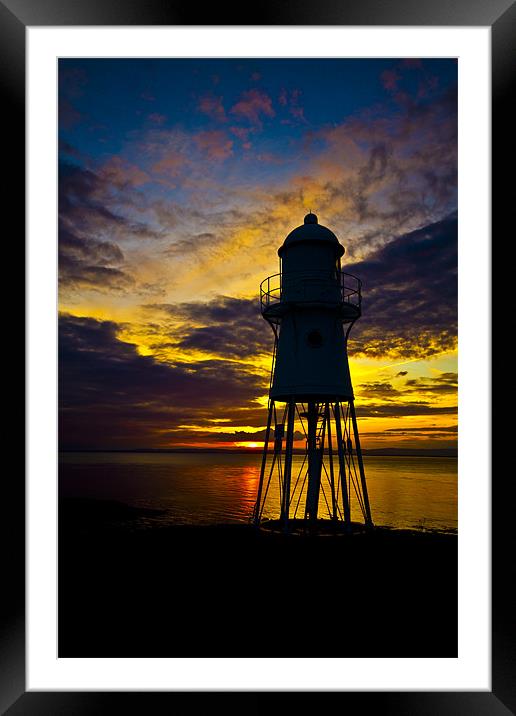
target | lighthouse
[{"x": 311, "y": 306}]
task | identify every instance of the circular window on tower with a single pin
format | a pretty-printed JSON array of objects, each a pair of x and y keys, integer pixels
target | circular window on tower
[{"x": 314, "y": 338}]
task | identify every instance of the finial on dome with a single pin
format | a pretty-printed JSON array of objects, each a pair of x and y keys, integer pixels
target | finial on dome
[{"x": 311, "y": 219}]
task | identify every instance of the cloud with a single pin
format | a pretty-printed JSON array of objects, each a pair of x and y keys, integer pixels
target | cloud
[
  {"x": 100, "y": 279},
  {"x": 122, "y": 173},
  {"x": 370, "y": 178},
  {"x": 253, "y": 105},
  {"x": 379, "y": 174},
  {"x": 85, "y": 263},
  {"x": 401, "y": 410},
  {"x": 171, "y": 164},
  {"x": 409, "y": 306},
  {"x": 239, "y": 436},
  {"x": 242, "y": 132},
  {"x": 390, "y": 79},
  {"x": 423, "y": 429},
  {"x": 215, "y": 143},
  {"x": 290, "y": 99},
  {"x": 409, "y": 296},
  {"x": 378, "y": 389},
  {"x": 90, "y": 256},
  {"x": 161, "y": 150},
  {"x": 68, "y": 149},
  {"x": 212, "y": 106},
  {"x": 111, "y": 396},
  {"x": 416, "y": 437},
  {"x": 444, "y": 383},
  {"x": 69, "y": 115},
  {"x": 187, "y": 213},
  {"x": 229, "y": 327},
  {"x": 410, "y": 81}
]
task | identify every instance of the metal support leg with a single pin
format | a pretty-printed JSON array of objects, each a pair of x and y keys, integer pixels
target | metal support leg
[
  {"x": 360, "y": 464},
  {"x": 289, "y": 444},
  {"x": 330, "y": 458},
  {"x": 342, "y": 465},
  {"x": 264, "y": 462},
  {"x": 314, "y": 464}
]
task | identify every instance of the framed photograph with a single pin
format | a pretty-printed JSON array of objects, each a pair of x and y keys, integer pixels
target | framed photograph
[{"x": 204, "y": 510}]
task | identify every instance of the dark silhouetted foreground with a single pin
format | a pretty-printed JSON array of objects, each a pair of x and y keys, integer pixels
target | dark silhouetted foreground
[{"x": 225, "y": 590}]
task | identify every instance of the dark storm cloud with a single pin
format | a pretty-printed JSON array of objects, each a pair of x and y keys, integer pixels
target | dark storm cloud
[
  {"x": 239, "y": 436},
  {"x": 409, "y": 301},
  {"x": 95, "y": 278},
  {"x": 110, "y": 395},
  {"x": 444, "y": 383},
  {"x": 231, "y": 327},
  {"x": 84, "y": 260},
  {"x": 86, "y": 263},
  {"x": 400, "y": 410},
  {"x": 383, "y": 390},
  {"x": 89, "y": 255}
]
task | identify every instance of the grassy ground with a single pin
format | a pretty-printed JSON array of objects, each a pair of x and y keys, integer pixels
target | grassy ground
[{"x": 229, "y": 590}]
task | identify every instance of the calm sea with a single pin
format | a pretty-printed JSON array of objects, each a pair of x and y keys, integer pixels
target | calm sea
[{"x": 196, "y": 488}]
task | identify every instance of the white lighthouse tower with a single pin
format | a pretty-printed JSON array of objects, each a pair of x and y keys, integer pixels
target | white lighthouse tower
[{"x": 311, "y": 306}]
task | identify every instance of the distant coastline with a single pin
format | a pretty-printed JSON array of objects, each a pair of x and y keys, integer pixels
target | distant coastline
[{"x": 380, "y": 452}]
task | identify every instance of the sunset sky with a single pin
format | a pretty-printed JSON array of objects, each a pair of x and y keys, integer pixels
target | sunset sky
[{"x": 179, "y": 180}]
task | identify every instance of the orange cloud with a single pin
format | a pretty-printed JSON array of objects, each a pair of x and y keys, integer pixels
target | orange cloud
[
  {"x": 170, "y": 164},
  {"x": 215, "y": 143},
  {"x": 252, "y": 105}
]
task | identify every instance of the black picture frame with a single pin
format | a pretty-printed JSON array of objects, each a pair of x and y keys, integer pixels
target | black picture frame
[{"x": 15, "y": 16}]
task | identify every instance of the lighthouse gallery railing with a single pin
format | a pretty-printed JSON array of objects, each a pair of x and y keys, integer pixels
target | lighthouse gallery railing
[{"x": 272, "y": 288}]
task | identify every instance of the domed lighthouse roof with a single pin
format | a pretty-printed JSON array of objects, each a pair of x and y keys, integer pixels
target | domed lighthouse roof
[{"x": 311, "y": 232}]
